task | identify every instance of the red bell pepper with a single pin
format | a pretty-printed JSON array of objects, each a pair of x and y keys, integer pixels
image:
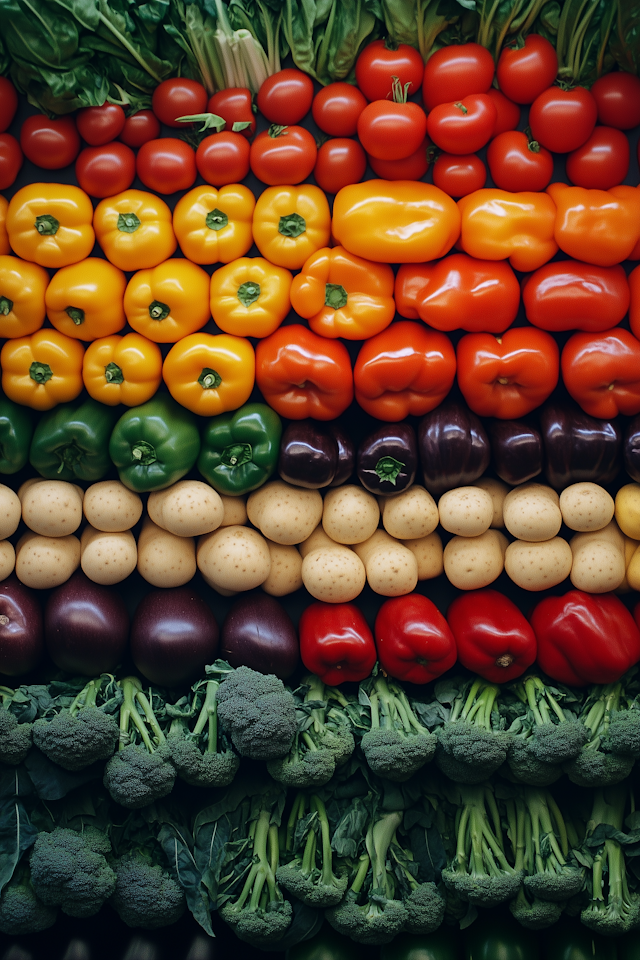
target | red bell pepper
[
  {"x": 413, "y": 639},
  {"x": 494, "y": 639},
  {"x": 602, "y": 372},
  {"x": 336, "y": 642},
  {"x": 570, "y": 295},
  {"x": 585, "y": 638}
]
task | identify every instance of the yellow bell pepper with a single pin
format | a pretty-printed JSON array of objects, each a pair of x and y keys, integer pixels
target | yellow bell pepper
[
  {"x": 168, "y": 302},
  {"x": 250, "y": 297},
  {"x": 85, "y": 300},
  {"x": 597, "y": 226},
  {"x": 291, "y": 223},
  {"x": 124, "y": 370},
  {"x": 22, "y": 293},
  {"x": 215, "y": 226},
  {"x": 135, "y": 230},
  {"x": 5, "y": 246},
  {"x": 498, "y": 225},
  {"x": 42, "y": 370},
  {"x": 210, "y": 374},
  {"x": 50, "y": 224}
]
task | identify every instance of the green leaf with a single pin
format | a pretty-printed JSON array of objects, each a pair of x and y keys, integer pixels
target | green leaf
[
  {"x": 17, "y": 834},
  {"x": 185, "y": 871},
  {"x": 625, "y": 40}
]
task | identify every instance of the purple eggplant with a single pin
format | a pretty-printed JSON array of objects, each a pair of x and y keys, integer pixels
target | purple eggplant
[
  {"x": 308, "y": 455},
  {"x": 631, "y": 449},
  {"x": 516, "y": 450},
  {"x": 346, "y": 454},
  {"x": 388, "y": 459},
  {"x": 454, "y": 447},
  {"x": 21, "y": 630},
  {"x": 259, "y": 633},
  {"x": 579, "y": 447}
]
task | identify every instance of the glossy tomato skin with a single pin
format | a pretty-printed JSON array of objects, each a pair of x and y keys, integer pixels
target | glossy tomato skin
[
  {"x": 391, "y": 131},
  {"x": 235, "y": 105},
  {"x": 515, "y": 166},
  {"x": 99, "y": 125},
  {"x": 107, "y": 170},
  {"x": 166, "y": 165},
  {"x": 524, "y": 73},
  {"x": 459, "y": 175},
  {"x": 562, "y": 120},
  {"x": 140, "y": 128},
  {"x": 336, "y": 109},
  {"x": 286, "y": 157},
  {"x": 285, "y": 97},
  {"x": 178, "y": 97},
  {"x": 377, "y": 65},
  {"x": 412, "y": 167},
  {"x": 454, "y": 72},
  {"x": 50, "y": 144},
  {"x": 602, "y": 162},
  {"x": 10, "y": 160},
  {"x": 8, "y": 103},
  {"x": 507, "y": 112},
  {"x": 617, "y": 97},
  {"x": 464, "y": 126},
  {"x": 223, "y": 158},
  {"x": 340, "y": 161}
]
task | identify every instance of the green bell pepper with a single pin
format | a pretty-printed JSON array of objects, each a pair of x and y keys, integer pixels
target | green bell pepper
[
  {"x": 444, "y": 944},
  {"x": 240, "y": 449},
  {"x": 16, "y": 430},
  {"x": 155, "y": 444},
  {"x": 71, "y": 442}
]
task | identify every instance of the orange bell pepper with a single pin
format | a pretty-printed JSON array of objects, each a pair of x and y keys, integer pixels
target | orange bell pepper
[
  {"x": 215, "y": 226},
  {"x": 601, "y": 371},
  {"x": 498, "y": 225},
  {"x": 210, "y": 374},
  {"x": 5, "y": 246},
  {"x": 291, "y": 223},
  {"x": 168, "y": 302},
  {"x": 135, "y": 230},
  {"x": 42, "y": 370},
  {"x": 405, "y": 370},
  {"x": 250, "y": 297},
  {"x": 596, "y": 226},
  {"x": 50, "y": 224},
  {"x": 22, "y": 293},
  {"x": 124, "y": 370},
  {"x": 85, "y": 300},
  {"x": 342, "y": 295}
]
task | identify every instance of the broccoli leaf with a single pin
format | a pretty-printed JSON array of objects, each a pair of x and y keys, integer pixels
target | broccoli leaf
[
  {"x": 52, "y": 782},
  {"x": 17, "y": 834},
  {"x": 184, "y": 869}
]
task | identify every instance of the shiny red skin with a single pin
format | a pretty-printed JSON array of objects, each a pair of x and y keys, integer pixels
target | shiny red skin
[
  {"x": 494, "y": 639},
  {"x": 391, "y": 131},
  {"x": 336, "y": 109},
  {"x": 259, "y": 633},
  {"x": 166, "y": 165},
  {"x": 571, "y": 295},
  {"x": 602, "y": 162},
  {"x": 235, "y": 105},
  {"x": 601, "y": 371},
  {"x": 10, "y": 160},
  {"x": 178, "y": 97},
  {"x": 464, "y": 126},
  {"x": 339, "y": 162},
  {"x": 414, "y": 641},
  {"x": 336, "y": 642},
  {"x": 617, "y": 97},
  {"x": 377, "y": 65},
  {"x": 523, "y": 73},
  {"x": 285, "y": 97},
  {"x": 21, "y": 629},
  {"x": 508, "y": 112},
  {"x": 50, "y": 144},
  {"x": 223, "y": 158},
  {"x": 515, "y": 167},
  {"x": 459, "y": 175},
  {"x": 585, "y": 638},
  {"x": 8, "y": 103},
  {"x": 288, "y": 158},
  {"x": 412, "y": 167},
  {"x": 456, "y": 71},
  {"x": 140, "y": 128},
  {"x": 99, "y": 125},
  {"x": 562, "y": 120},
  {"x": 106, "y": 171}
]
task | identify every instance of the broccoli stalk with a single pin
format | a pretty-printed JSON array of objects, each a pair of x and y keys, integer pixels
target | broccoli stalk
[
  {"x": 195, "y": 753},
  {"x": 77, "y": 736},
  {"x": 21, "y": 912},
  {"x": 472, "y": 743},
  {"x": 397, "y": 745},
  {"x": 613, "y": 722},
  {"x": 15, "y": 737},
  {"x": 309, "y": 874}
]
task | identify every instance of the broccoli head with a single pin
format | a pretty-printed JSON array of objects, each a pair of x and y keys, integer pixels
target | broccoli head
[
  {"x": 70, "y": 870},
  {"x": 309, "y": 874},
  {"x": 425, "y": 908},
  {"x": 21, "y": 912},
  {"x": 74, "y": 737},
  {"x": 397, "y": 745},
  {"x": 375, "y": 922},
  {"x": 535, "y": 914},
  {"x": 612, "y": 719},
  {"x": 258, "y": 713},
  {"x": 202, "y": 755},
  {"x": 146, "y": 895},
  {"x": 260, "y": 925},
  {"x": 15, "y": 738},
  {"x": 472, "y": 743},
  {"x": 623, "y": 734}
]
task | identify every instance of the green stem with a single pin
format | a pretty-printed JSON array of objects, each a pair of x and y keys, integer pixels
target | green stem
[
  {"x": 361, "y": 873},
  {"x": 87, "y": 697},
  {"x": 209, "y": 716}
]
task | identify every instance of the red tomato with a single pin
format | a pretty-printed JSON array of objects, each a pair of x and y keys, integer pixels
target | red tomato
[
  {"x": 617, "y": 97},
  {"x": 459, "y": 175},
  {"x": 562, "y": 120},
  {"x": 336, "y": 109},
  {"x": 107, "y": 170},
  {"x": 10, "y": 160},
  {"x": 98, "y": 125},
  {"x": 140, "y": 128},
  {"x": 391, "y": 131},
  {"x": 339, "y": 162},
  {"x": 283, "y": 155},
  {"x": 285, "y": 97},
  {"x": 8, "y": 103},
  {"x": 464, "y": 126},
  {"x": 378, "y": 64},
  {"x": 50, "y": 144},
  {"x": 223, "y": 158},
  {"x": 453, "y": 73},
  {"x": 517, "y": 163},
  {"x": 178, "y": 97},
  {"x": 166, "y": 165},
  {"x": 235, "y": 105},
  {"x": 508, "y": 112},
  {"x": 413, "y": 167},
  {"x": 602, "y": 162},
  {"x": 524, "y": 73}
]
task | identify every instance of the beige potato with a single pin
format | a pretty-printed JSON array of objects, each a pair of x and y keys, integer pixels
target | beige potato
[
  {"x": 497, "y": 490},
  {"x": 350, "y": 515},
  {"x": 334, "y": 575},
  {"x": 284, "y": 513},
  {"x": 598, "y": 563},
  {"x": 411, "y": 514},
  {"x": 52, "y": 508},
  {"x": 235, "y": 511},
  {"x": 630, "y": 547},
  {"x": 45, "y": 562},
  {"x": 285, "y": 575},
  {"x": 474, "y": 562},
  {"x": 532, "y": 512},
  {"x": 235, "y": 558},
  {"x": 7, "y": 559},
  {"x": 391, "y": 568},
  {"x": 22, "y": 489},
  {"x": 627, "y": 507},
  {"x": 466, "y": 511},
  {"x": 586, "y": 506},
  {"x": 108, "y": 556},
  {"x": 10, "y": 511},
  {"x": 318, "y": 541},
  {"x": 189, "y": 508},
  {"x": 429, "y": 555},
  {"x": 164, "y": 559},
  {"x": 633, "y": 570},
  {"x": 538, "y": 566},
  {"x": 111, "y": 507}
]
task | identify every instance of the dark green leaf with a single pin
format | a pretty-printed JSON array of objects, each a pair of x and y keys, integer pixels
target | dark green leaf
[
  {"x": 17, "y": 834},
  {"x": 184, "y": 869}
]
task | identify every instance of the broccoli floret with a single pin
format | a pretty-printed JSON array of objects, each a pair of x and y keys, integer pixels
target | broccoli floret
[
  {"x": 613, "y": 722},
  {"x": 258, "y": 713},
  {"x": 15, "y": 738},
  {"x": 21, "y": 912},
  {"x": 70, "y": 870},
  {"x": 309, "y": 874},
  {"x": 623, "y": 734},
  {"x": 425, "y": 909},
  {"x": 141, "y": 771},
  {"x": 77, "y": 736},
  {"x": 472, "y": 743},
  {"x": 202, "y": 757},
  {"x": 146, "y": 895},
  {"x": 535, "y": 914},
  {"x": 397, "y": 745}
]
